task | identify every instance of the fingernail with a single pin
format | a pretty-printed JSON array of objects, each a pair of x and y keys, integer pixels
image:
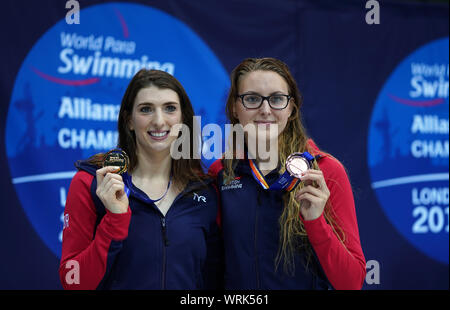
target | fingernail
[{"x": 114, "y": 168}]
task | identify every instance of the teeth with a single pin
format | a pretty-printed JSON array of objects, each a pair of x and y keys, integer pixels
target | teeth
[{"x": 158, "y": 134}]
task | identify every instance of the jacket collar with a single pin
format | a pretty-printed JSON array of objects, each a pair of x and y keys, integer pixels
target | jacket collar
[{"x": 86, "y": 166}]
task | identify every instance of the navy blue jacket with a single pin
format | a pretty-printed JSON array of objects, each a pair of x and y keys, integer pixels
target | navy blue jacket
[
  {"x": 181, "y": 250},
  {"x": 249, "y": 216}
]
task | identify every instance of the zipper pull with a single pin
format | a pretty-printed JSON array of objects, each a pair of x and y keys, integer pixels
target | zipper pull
[{"x": 165, "y": 239}]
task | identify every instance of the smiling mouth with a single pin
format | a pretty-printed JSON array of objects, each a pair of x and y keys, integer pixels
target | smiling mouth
[
  {"x": 264, "y": 122},
  {"x": 158, "y": 135}
]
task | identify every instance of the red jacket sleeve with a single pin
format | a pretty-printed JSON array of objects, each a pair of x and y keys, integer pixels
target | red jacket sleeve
[
  {"x": 84, "y": 257},
  {"x": 343, "y": 264},
  {"x": 215, "y": 168},
  {"x": 213, "y": 171}
]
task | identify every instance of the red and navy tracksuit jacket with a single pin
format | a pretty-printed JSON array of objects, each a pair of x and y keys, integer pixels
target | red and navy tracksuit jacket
[
  {"x": 249, "y": 217},
  {"x": 140, "y": 249}
]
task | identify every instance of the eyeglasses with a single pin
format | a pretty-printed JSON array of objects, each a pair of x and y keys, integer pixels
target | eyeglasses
[{"x": 276, "y": 102}]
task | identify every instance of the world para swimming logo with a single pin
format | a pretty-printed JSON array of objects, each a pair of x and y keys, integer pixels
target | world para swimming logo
[
  {"x": 66, "y": 97},
  {"x": 408, "y": 149}
]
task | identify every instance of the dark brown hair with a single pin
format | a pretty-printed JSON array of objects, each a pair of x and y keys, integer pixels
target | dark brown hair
[{"x": 183, "y": 170}]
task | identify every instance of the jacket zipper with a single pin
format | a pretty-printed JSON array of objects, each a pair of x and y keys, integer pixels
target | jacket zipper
[
  {"x": 165, "y": 243},
  {"x": 164, "y": 235},
  {"x": 256, "y": 238},
  {"x": 165, "y": 239}
]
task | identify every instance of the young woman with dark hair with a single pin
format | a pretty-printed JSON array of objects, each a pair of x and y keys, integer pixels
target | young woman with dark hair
[{"x": 154, "y": 226}]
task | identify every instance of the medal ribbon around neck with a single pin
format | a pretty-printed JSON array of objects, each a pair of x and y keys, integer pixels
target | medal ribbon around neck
[
  {"x": 284, "y": 182},
  {"x": 118, "y": 157}
]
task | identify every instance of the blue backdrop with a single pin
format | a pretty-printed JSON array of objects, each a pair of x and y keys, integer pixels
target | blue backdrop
[{"x": 375, "y": 96}]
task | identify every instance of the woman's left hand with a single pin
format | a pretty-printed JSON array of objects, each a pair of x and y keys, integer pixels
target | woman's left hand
[{"x": 312, "y": 199}]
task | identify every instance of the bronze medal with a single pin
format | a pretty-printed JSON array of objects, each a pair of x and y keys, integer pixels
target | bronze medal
[
  {"x": 118, "y": 158},
  {"x": 296, "y": 164}
]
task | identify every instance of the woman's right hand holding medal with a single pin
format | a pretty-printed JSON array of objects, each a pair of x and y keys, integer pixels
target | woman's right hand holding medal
[{"x": 111, "y": 190}]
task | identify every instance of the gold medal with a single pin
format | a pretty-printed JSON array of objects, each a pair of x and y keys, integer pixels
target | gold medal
[{"x": 116, "y": 157}]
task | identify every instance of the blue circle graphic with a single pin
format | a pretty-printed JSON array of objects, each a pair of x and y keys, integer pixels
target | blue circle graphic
[
  {"x": 408, "y": 149},
  {"x": 67, "y": 95}
]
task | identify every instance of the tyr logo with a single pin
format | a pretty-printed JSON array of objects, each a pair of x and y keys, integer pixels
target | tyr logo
[{"x": 198, "y": 197}]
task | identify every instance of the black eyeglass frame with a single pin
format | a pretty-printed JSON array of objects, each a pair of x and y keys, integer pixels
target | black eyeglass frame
[{"x": 265, "y": 98}]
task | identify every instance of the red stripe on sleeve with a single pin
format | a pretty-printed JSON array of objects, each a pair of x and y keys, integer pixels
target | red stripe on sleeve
[
  {"x": 213, "y": 171},
  {"x": 83, "y": 259},
  {"x": 344, "y": 266}
]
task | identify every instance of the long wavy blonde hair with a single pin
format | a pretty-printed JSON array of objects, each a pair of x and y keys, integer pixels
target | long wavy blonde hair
[{"x": 293, "y": 237}]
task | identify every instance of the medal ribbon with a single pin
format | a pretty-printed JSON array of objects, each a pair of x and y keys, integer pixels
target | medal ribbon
[{"x": 284, "y": 182}]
